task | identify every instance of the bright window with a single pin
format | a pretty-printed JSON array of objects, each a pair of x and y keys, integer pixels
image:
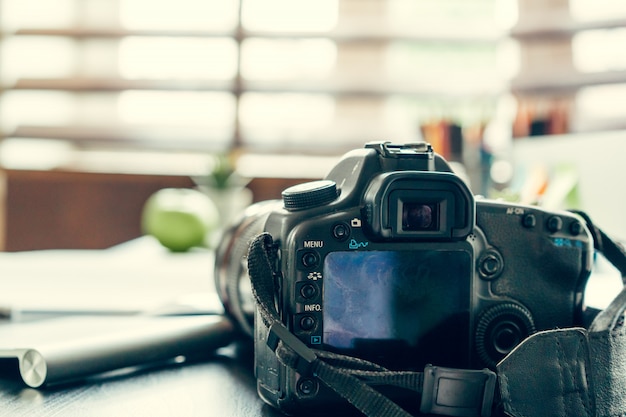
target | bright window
[{"x": 295, "y": 76}]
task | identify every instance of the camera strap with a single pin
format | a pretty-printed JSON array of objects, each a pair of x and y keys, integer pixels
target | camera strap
[
  {"x": 347, "y": 376},
  {"x": 563, "y": 372}
]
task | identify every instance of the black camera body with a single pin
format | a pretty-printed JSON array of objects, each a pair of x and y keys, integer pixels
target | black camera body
[{"x": 392, "y": 259}]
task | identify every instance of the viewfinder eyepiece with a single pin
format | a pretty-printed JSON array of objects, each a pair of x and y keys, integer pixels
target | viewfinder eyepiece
[{"x": 418, "y": 216}]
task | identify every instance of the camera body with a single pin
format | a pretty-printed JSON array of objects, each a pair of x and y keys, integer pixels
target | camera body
[{"x": 392, "y": 259}]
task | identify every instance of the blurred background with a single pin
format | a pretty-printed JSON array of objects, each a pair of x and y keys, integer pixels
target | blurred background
[{"x": 102, "y": 102}]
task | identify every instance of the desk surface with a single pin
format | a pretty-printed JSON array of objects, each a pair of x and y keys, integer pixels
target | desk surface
[
  {"x": 136, "y": 277},
  {"x": 222, "y": 386}
]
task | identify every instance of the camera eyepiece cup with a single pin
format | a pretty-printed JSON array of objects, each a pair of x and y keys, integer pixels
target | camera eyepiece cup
[{"x": 417, "y": 205}]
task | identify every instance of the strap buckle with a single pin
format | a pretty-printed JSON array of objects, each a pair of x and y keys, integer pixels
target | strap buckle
[{"x": 458, "y": 392}]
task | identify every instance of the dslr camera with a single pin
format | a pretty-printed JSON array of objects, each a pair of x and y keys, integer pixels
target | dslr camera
[{"x": 391, "y": 259}]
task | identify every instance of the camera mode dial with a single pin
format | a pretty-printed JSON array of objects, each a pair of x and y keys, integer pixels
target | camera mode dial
[
  {"x": 309, "y": 195},
  {"x": 501, "y": 328}
]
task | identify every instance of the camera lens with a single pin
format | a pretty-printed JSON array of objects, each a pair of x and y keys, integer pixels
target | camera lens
[{"x": 419, "y": 216}]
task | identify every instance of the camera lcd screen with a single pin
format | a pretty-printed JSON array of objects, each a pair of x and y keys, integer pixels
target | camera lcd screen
[{"x": 399, "y": 308}]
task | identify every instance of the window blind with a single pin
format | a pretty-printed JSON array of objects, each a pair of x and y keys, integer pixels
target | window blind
[{"x": 272, "y": 76}]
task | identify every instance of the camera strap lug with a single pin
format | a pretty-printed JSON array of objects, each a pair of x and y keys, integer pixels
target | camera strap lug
[{"x": 458, "y": 392}]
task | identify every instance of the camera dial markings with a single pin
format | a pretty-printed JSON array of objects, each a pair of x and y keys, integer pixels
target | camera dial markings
[
  {"x": 518, "y": 211},
  {"x": 314, "y": 276},
  {"x": 313, "y": 244},
  {"x": 354, "y": 244}
]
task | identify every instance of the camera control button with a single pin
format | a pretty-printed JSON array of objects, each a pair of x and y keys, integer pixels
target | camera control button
[
  {"x": 554, "y": 224},
  {"x": 490, "y": 265},
  {"x": 529, "y": 221},
  {"x": 341, "y": 231},
  {"x": 500, "y": 328},
  {"x": 576, "y": 228},
  {"x": 307, "y": 323},
  {"x": 310, "y": 259},
  {"x": 308, "y": 291},
  {"x": 307, "y": 387}
]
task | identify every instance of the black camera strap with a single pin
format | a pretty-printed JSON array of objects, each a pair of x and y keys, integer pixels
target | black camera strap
[
  {"x": 564, "y": 372},
  {"x": 345, "y": 375}
]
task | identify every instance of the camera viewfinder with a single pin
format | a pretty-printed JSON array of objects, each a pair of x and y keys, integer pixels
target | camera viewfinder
[{"x": 417, "y": 216}]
